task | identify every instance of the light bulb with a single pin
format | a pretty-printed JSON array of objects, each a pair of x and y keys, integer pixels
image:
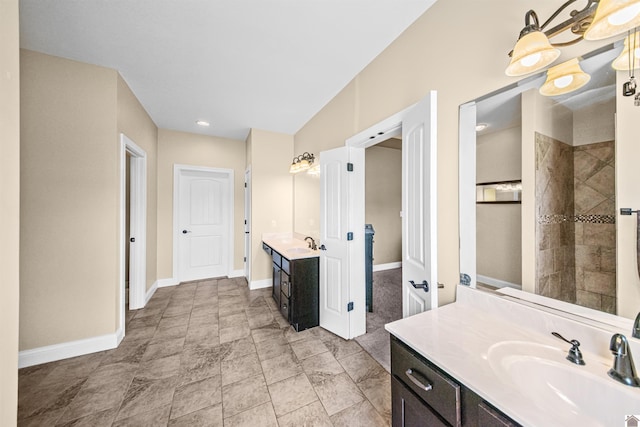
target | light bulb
[
  {"x": 563, "y": 81},
  {"x": 530, "y": 60},
  {"x": 625, "y": 15}
]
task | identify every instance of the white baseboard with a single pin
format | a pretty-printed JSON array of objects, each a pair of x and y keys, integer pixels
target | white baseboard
[
  {"x": 150, "y": 292},
  {"x": 236, "y": 273},
  {"x": 497, "y": 282},
  {"x": 163, "y": 283},
  {"x": 259, "y": 284},
  {"x": 66, "y": 350},
  {"x": 388, "y": 266}
]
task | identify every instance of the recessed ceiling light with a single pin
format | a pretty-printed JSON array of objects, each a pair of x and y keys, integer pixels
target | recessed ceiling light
[
  {"x": 202, "y": 123},
  {"x": 481, "y": 126}
]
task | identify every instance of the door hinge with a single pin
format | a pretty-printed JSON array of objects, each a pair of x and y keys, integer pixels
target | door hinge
[
  {"x": 350, "y": 235},
  {"x": 350, "y": 167},
  {"x": 245, "y": 222},
  {"x": 350, "y": 306},
  {"x": 245, "y": 259},
  {"x": 245, "y": 185}
]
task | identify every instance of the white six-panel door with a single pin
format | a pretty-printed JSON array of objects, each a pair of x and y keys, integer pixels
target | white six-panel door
[
  {"x": 334, "y": 254},
  {"x": 203, "y": 231},
  {"x": 419, "y": 204}
]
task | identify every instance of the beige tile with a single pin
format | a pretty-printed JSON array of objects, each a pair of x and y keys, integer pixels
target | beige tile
[
  {"x": 234, "y": 333},
  {"x": 98, "y": 419},
  {"x": 377, "y": 389},
  {"x": 267, "y": 333},
  {"x": 207, "y": 417},
  {"x": 166, "y": 348},
  {"x": 237, "y": 369},
  {"x": 291, "y": 394},
  {"x": 144, "y": 395},
  {"x": 233, "y": 320},
  {"x": 359, "y": 415},
  {"x": 337, "y": 393},
  {"x": 361, "y": 366},
  {"x": 243, "y": 395},
  {"x": 281, "y": 367},
  {"x": 155, "y": 369},
  {"x": 237, "y": 348},
  {"x": 171, "y": 332},
  {"x": 261, "y": 415},
  {"x": 308, "y": 347},
  {"x": 198, "y": 363},
  {"x": 195, "y": 396},
  {"x": 312, "y": 415},
  {"x": 321, "y": 367},
  {"x": 274, "y": 347},
  {"x": 151, "y": 418},
  {"x": 46, "y": 418}
]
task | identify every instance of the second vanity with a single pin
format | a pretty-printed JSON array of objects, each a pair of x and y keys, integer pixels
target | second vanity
[
  {"x": 488, "y": 360},
  {"x": 295, "y": 278}
]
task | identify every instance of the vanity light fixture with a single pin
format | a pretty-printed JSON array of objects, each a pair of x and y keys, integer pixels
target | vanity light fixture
[
  {"x": 629, "y": 58},
  {"x": 564, "y": 78},
  {"x": 301, "y": 163},
  {"x": 599, "y": 19}
]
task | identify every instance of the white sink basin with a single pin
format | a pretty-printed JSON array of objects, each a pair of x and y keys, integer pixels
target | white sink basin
[{"x": 575, "y": 395}]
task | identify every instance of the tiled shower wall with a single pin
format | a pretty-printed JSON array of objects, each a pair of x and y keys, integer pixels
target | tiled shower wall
[{"x": 575, "y": 189}]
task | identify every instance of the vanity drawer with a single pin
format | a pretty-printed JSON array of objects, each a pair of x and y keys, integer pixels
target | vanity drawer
[
  {"x": 284, "y": 306},
  {"x": 285, "y": 284},
  {"x": 285, "y": 265},
  {"x": 439, "y": 392},
  {"x": 266, "y": 248},
  {"x": 277, "y": 258},
  {"x": 409, "y": 411},
  {"x": 490, "y": 417}
]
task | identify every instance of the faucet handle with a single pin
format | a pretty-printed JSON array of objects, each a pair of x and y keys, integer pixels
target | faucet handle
[
  {"x": 575, "y": 355},
  {"x": 636, "y": 327},
  {"x": 618, "y": 345}
]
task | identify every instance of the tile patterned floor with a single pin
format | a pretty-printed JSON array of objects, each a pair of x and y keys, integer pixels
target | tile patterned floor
[{"x": 211, "y": 353}]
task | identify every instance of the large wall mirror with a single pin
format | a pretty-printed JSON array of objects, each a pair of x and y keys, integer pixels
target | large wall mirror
[{"x": 557, "y": 238}]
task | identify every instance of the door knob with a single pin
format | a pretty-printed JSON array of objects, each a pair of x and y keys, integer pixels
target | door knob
[
  {"x": 424, "y": 285},
  {"x": 185, "y": 231},
  {"x": 322, "y": 248},
  {"x": 132, "y": 240}
]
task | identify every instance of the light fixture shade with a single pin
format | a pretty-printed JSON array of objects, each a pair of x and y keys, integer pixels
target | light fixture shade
[
  {"x": 622, "y": 61},
  {"x": 613, "y": 17},
  {"x": 564, "y": 78},
  {"x": 531, "y": 53}
]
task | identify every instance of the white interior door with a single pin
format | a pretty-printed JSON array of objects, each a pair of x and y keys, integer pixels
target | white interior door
[
  {"x": 334, "y": 254},
  {"x": 419, "y": 204},
  {"x": 203, "y": 225}
]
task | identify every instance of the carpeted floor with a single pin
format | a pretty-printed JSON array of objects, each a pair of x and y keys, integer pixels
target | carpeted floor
[{"x": 387, "y": 307}]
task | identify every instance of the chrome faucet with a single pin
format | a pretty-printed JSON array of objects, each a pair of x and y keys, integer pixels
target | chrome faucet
[
  {"x": 575, "y": 355},
  {"x": 312, "y": 243},
  {"x": 636, "y": 327},
  {"x": 623, "y": 370}
]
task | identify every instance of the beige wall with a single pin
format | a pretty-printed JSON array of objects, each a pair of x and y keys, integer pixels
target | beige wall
[
  {"x": 69, "y": 201},
  {"x": 419, "y": 61},
  {"x": 9, "y": 209},
  {"x": 196, "y": 150},
  {"x": 383, "y": 202},
  {"x": 136, "y": 124},
  {"x": 271, "y": 193},
  {"x": 498, "y": 226}
]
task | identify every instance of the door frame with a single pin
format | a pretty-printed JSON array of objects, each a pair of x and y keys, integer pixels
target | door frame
[
  {"x": 178, "y": 170},
  {"x": 138, "y": 226},
  {"x": 379, "y": 132},
  {"x": 247, "y": 224}
]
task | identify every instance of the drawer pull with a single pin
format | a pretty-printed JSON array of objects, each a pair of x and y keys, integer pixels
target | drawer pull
[{"x": 412, "y": 376}]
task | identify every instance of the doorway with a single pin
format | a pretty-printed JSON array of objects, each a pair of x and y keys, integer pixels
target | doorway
[
  {"x": 342, "y": 205},
  {"x": 133, "y": 227},
  {"x": 203, "y": 222},
  {"x": 247, "y": 224}
]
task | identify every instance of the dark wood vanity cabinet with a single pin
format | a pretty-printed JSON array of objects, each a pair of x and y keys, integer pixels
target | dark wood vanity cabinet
[
  {"x": 424, "y": 395},
  {"x": 296, "y": 289}
]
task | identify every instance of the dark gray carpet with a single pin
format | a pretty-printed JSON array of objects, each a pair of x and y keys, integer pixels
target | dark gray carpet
[{"x": 387, "y": 307}]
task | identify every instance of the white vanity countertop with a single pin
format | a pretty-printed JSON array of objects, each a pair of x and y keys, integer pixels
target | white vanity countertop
[
  {"x": 458, "y": 338},
  {"x": 289, "y": 245}
]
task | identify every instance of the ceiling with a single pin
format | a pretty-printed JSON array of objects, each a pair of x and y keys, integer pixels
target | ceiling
[{"x": 238, "y": 64}]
